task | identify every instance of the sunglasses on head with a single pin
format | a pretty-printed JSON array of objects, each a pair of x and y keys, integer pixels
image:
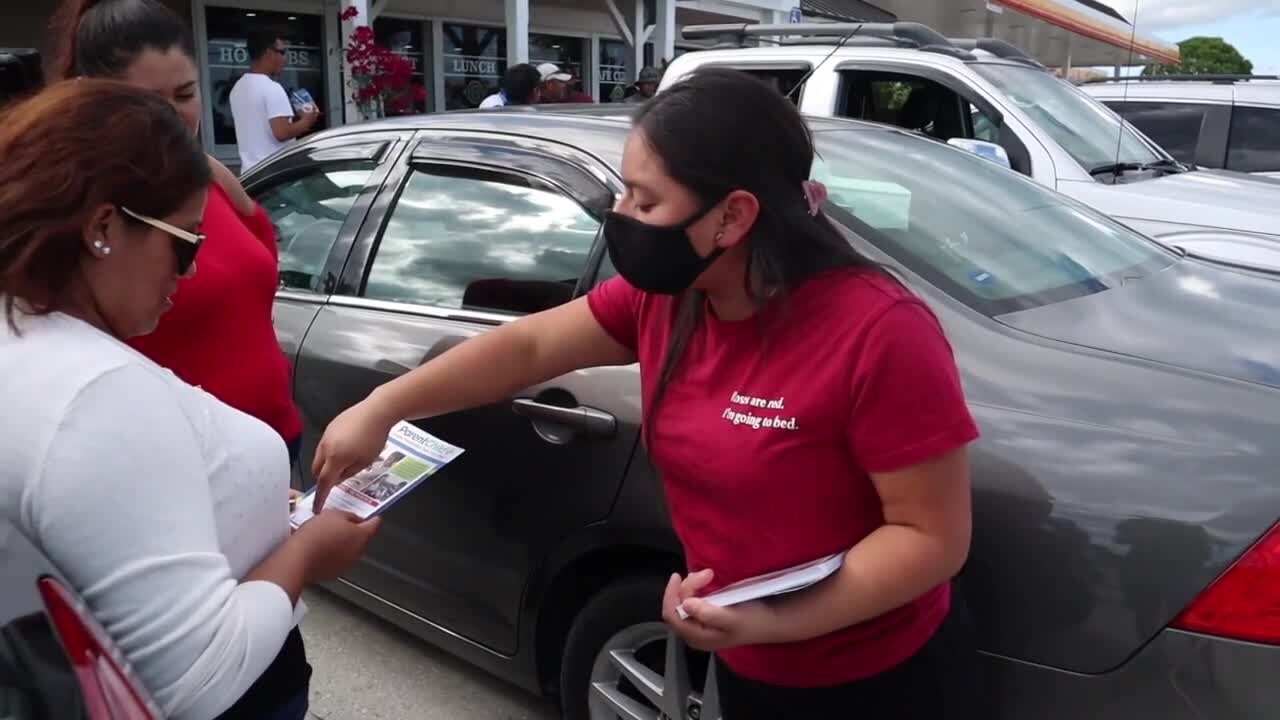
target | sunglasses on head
[{"x": 185, "y": 243}]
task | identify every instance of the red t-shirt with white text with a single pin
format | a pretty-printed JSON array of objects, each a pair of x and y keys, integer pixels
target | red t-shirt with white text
[{"x": 767, "y": 433}]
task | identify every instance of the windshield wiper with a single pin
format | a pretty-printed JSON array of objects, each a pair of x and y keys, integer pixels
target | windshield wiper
[
  {"x": 1115, "y": 168},
  {"x": 1168, "y": 165}
]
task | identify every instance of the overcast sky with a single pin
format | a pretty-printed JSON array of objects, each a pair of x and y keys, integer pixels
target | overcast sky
[{"x": 1253, "y": 26}]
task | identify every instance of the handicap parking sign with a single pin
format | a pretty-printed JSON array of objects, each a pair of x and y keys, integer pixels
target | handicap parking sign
[{"x": 796, "y": 16}]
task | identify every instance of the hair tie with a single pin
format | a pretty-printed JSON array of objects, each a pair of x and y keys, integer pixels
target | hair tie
[{"x": 815, "y": 193}]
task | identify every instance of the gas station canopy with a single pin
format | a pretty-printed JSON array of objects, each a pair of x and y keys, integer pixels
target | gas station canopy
[{"x": 1058, "y": 33}]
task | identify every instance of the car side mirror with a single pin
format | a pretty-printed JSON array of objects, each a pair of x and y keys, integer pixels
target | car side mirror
[{"x": 983, "y": 149}]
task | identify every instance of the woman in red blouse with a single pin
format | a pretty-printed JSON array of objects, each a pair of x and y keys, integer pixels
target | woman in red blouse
[
  {"x": 219, "y": 333},
  {"x": 798, "y": 400}
]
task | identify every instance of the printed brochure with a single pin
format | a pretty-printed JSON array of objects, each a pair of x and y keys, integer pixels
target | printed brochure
[
  {"x": 409, "y": 457},
  {"x": 302, "y": 101},
  {"x": 778, "y": 582}
]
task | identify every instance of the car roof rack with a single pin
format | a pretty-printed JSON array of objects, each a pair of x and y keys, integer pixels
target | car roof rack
[
  {"x": 904, "y": 34},
  {"x": 1218, "y": 79},
  {"x": 851, "y": 34},
  {"x": 1000, "y": 48}
]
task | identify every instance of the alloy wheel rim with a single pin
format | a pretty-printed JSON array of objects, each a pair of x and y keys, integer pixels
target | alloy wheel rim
[{"x": 643, "y": 672}]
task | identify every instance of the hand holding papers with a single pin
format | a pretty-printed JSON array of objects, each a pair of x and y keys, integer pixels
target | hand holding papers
[
  {"x": 409, "y": 456},
  {"x": 775, "y": 583}
]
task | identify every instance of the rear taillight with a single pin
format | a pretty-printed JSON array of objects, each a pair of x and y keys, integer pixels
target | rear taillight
[
  {"x": 109, "y": 690},
  {"x": 1244, "y": 603}
]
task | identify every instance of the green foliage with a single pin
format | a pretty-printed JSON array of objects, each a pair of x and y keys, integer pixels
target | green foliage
[
  {"x": 891, "y": 95},
  {"x": 1205, "y": 56}
]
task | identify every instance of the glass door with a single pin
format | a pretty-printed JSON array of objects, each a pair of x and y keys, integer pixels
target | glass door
[
  {"x": 474, "y": 59},
  {"x": 406, "y": 39},
  {"x": 615, "y": 83},
  {"x": 228, "y": 58},
  {"x": 568, "y": 52}
]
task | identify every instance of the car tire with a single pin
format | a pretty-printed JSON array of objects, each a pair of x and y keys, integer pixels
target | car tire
[{"x": 632, "y": 603}]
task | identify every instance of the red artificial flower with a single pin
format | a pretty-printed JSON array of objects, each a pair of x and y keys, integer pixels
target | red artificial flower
[
  {"x": 380, "y": 74},
  {"x": 350, "y": 13}
]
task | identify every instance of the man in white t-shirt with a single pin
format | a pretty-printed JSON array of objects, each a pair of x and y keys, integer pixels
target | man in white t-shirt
[{"x": 260, "y": 107}]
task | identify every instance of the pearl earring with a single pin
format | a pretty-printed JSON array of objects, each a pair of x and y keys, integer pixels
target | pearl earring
[{"x": 105, "y": 250}]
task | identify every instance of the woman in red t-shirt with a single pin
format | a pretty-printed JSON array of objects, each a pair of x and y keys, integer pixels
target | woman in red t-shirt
[
  {"x": 219, "y": 334},
  {"x": 798, "y": 401}
]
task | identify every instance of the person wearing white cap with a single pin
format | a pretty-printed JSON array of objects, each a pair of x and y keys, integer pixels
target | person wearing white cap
[
  {"x": 554, "y": 82},
  {"x": 557, "y": 85}
]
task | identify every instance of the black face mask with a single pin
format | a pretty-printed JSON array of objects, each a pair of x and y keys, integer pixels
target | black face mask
[{"x": 656, "y": 259}]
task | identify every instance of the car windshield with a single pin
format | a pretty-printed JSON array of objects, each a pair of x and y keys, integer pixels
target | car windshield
[
  {"x": 981, "y": 233},
  {"x": 1091, "y": 133}
]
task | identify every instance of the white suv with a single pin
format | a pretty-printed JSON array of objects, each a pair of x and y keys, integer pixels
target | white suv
[
  {"x": 1216, "y": 121},
  {"x": 986, "y": 94}
]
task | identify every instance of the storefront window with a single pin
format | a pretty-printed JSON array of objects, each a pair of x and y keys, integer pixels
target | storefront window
[
  {"x": 615, "y": 83},
  {"x": 567, "y": 52},
  {"x": 229, "y": 59},
  {"x": 404, "y": 38},
  {"x": 474, "y": 60}
]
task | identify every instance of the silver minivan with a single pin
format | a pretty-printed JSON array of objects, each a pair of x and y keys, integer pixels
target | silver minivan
[{"x": 1215, "y": 121}]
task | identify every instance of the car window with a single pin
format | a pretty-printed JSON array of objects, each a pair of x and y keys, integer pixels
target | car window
[
  {"x": 1085, "y": 128},
  {"x": 1173, "y": 126},
  {"x": 1255, "y": 140},
  {"x": 481, "y": 240},
  {"x": 984, "y": 128},
  {"x": 901, "y": 99},
  {"x": 887, "y": 96},
  {"x": 308, "y": 212},
  {"x": 784, "y": 80},
  {"x": 1004, "y": 244}
]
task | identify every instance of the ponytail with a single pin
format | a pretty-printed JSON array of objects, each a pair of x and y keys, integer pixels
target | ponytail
[{"x": 101, "y": 38}]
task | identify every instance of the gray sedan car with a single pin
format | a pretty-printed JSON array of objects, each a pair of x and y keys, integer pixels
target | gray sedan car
[{"x": 1124, "y": 564}]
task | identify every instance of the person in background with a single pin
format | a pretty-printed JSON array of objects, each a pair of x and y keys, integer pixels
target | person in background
[
  {"x": 574, "y": 93},
  {"x": 558, "y": 86},
  {"x": 798, "y": 401},
  {"x": 164, "y": 508},
  {"x": 219, "y": 335},
  {"x": 519, "y": 86},
  {"x": 260, "y": 107},
  {"x": 646, "y": 85}
]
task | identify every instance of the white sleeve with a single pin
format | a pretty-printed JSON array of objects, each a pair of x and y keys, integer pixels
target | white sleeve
[
  {"x": 123, "y": 508},
  {"x": 277, "y": 100}
]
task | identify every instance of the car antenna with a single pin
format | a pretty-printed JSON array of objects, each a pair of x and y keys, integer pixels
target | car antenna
[
  {"x": 1133, "y": 38},
  {"x": 805, "y": 78}
]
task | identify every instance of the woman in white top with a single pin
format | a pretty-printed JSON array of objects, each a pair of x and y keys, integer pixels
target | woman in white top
[{"x": 166, "y": 509}]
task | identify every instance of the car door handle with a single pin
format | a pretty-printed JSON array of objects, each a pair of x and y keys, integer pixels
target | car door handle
[{"x": 586, "y": 420}]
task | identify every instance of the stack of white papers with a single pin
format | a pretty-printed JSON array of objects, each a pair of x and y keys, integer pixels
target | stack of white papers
[{"x": 778, "y": 582}]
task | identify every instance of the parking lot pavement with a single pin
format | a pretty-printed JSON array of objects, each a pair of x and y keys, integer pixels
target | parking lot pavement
[{"x": 366, "y": 668}]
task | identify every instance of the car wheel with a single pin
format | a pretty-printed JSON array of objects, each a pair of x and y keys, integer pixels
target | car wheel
[{"x": 618, "y": 662}]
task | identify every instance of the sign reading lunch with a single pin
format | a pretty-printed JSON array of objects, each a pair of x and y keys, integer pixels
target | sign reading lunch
[{"x": 472, "y": 66}]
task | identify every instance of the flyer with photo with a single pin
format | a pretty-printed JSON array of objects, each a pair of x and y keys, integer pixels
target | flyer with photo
[
  {"x": 409, "y": 457},
  {"x": 302, "y": 101}
]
